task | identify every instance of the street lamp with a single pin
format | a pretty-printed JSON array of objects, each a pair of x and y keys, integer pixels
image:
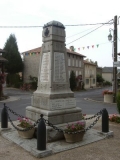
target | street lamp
[{"x": 110, "y": 36}]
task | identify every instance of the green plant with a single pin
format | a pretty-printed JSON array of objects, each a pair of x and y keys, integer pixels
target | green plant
[
  {"x": 25, "y": 122},
  {"x": 12, "y": 79},
  {"x": 118, "y": 101},
  {"x": 72, "y": 80},
  {"x": 107, "y": 92},
  {"x": 114, "y": 118},
  {"x": 34, "y": 81},
  {"x": 75, "y": 127}
]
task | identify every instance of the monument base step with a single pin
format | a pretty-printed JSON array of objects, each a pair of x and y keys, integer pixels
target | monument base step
[
  {"x": 59, "y": 118},
  {"x": 56, "y": 116}
]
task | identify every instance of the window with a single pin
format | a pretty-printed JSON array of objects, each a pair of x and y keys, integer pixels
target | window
[
  {"x": 69, "y": 62},
  {"x": 69, "y": 74},
  {"x": 73, "y": 61},
  {"x": 94, "y": 81},
  {"x": 87, "y": 81},
  {"x": 90, "y": 71},
  {"x": 76, "y": 73},
  {"x": 76, "y": 62},
  {"x": 80, "y": 73},
  {"x": 80, "y": 63}
]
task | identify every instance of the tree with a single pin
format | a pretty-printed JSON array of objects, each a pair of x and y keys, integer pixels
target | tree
[
  {"x": 12, "y": 54},
  {"x": 99, "y": 78},
  {"x": 72, "y": 80}
]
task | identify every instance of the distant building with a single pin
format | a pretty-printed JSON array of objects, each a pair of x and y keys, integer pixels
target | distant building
[
  {"x": 89, "y": 74},
  {"x": 107, "y": 73}
]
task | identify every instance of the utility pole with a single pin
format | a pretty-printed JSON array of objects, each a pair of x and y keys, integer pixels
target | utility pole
[{"x": 115, "y": 59}]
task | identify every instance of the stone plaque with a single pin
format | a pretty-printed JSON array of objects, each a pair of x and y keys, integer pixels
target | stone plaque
[
  {"x": 59, "y": 67},
  {"x": 62, "y": 103},
  {"x": 44, "y": 75}
]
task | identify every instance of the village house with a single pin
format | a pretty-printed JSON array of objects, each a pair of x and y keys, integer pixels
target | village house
[{"x": 89, "y": 74}]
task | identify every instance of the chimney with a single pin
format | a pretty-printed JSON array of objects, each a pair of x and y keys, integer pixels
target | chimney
[{"x": 72, "y": 48}]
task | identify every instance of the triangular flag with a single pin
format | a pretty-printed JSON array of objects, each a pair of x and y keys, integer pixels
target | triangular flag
[
  {"x": 92, "y": 46},
  {"x": 88, "y": 47},
  {"x": 83, "y": 48},
  {"x": 97, "y": 45}
]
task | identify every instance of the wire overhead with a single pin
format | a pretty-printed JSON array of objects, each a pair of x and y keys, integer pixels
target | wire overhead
[
  {"x": 89, "y": 32},
  {"x": 71, "y": 25}
]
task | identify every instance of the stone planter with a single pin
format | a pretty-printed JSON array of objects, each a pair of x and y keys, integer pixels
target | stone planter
[
  {"x": 72, "y": 138},
  {"x": 108, "y": 98},
  {"x": 26, "y": 134}
]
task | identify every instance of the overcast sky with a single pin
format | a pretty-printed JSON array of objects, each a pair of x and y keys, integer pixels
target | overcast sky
[{"x": 38, "y": 13}]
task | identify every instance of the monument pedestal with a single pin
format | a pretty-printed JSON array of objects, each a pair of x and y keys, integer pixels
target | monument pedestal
[{"x": 59, "y": 118}]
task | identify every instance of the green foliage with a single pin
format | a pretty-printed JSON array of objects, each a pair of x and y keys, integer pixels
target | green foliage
[
  {"x": 34, "y": 81},
  {"x": 107, "y": 83},
  {"x": 14, "y": 64},
  {"x": 99, "y": 78},
  {"x": 72, "y": 80},
  {"x": 118, "y": 101},
  {"x": 13, "y": 80}
]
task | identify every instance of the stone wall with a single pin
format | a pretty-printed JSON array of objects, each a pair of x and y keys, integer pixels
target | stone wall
[{"x": 31, "y": 66}]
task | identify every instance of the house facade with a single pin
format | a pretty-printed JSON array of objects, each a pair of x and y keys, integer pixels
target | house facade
[
  {"x": 89, "y": 74},
  {"x": 107, "y": 73},
  {"x": 32, "y": 60}
]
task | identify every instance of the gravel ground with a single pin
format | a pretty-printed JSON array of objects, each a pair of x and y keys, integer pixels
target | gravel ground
[{"x": 107, "y": 149}]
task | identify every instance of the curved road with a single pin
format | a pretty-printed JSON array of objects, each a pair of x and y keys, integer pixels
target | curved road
[{"x": 88, "y": 107}]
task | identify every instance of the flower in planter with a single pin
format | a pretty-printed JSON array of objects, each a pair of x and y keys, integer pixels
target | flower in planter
[
  {"x": 25, "y": 122},
  {"x": 107, "y": 92},
  {"x": 75, "y": 127},
  {"x": 114, "y": 118}
]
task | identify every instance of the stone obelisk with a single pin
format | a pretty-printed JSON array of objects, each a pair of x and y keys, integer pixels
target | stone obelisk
[{"x": 53, "y": 97}]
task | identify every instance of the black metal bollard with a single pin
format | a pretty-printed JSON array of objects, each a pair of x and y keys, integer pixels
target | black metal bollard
[
  {"x": 105, "y": 121},
  {"x": 41, "y": 134},
  {"x": 4, "y": 118}
]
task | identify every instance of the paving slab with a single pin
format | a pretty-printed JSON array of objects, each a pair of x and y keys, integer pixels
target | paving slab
[{"x": 30, "y": 145}]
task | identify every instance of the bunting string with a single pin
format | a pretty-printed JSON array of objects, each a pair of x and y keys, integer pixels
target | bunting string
[
  {"x": 31, "y": 54},
  {"x": 89, "y": 47}
]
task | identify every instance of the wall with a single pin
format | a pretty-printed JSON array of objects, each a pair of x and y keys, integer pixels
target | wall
[
  {"x": 90, "y": 75},
  {"x": 107, "y": 76},
  {"x": 31, "y": 66}
]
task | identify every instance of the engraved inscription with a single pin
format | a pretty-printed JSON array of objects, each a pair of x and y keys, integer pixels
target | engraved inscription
[
  {"x": 36, "y": 101},
  {"x": 62, "y": 103},
  {"x": 44, "y": 102},
  {"x": 70, "y": 102},
  {"x": 59, "y": 67},
  {"x": 59, "y": 87},
  {"x": 43, "y": 87},
  {"x": 44, "y": 76},
  {"x": 57, "y": 104}
]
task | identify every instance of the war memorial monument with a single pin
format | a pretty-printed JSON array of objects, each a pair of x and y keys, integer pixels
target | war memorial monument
[{"x": 53, "y": 97}]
